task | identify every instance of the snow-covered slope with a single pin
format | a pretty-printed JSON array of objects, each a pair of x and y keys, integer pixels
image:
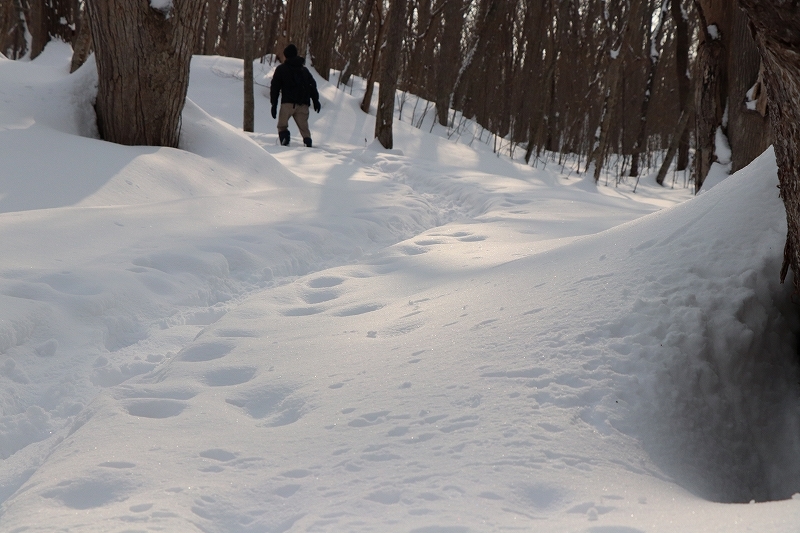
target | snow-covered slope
[{"x": 238, "y": 336}]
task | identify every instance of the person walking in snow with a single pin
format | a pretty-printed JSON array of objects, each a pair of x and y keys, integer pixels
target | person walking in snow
[{"x": 297, "y": 90}]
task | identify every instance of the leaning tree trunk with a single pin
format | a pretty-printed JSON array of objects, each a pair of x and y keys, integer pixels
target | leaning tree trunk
[
  {"x": 82, "y": 46},
  {"x": 390, "y": 68},
  {"x": 143, "y": 57},
  {"x": 777, "y": 31},
  {"x": 356, "y": 43}
]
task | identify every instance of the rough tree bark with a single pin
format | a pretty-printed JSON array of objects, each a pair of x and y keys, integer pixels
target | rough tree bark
[
  {"x": 143, "y": 57},
  {"x": 295, "y": 27},
  {"x": 323, "y": 23},
  {"x": 711, "y": 93},
  {"x": 727, "y": 70},
  {"x": 82, "y": 46},
  {"x": 390, "y": 68},
  {"x": 776, "y": 25}
]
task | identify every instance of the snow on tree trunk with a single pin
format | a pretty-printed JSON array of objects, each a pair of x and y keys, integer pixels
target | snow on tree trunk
[
  {"x": 143, "y": 56},
  {"x": 777, "y": 31}
]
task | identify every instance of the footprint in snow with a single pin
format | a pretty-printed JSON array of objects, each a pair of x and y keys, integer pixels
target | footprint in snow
[
  {"x": 359, "y": 310},
  {"x": 156, "y": 408},
  {"x": 205, "y": 352},
  {"x": 301, "y": 311},
  {"x": 325, "y": 282},
  {"x": 223, "y": 377},
  {"x": 319, "y": 297}
]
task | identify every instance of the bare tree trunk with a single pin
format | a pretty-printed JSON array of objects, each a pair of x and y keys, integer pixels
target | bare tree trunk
[
  {"x": 249, "y": 100},
  {"x": 675, "y": 143},
  {"x": 82, "y": 46},
  {"x": 49, "y": 19},
  {"x": 614, "y": 86},
  {"x": 230, "y": 25},
  {"x": 777, "y": 33},
  {"x": 357, "y": 43},
  {"x": 376, "y": 57},
  {"x": 449, "y": 55},
  {"x": 212, "y": 27},
  {"x": 641, "y": 138},
  {"x": 748, "y": 131},
  {"x": 18, "y": 46},
  {"x": 710, "y": 96},
  {"x": 323, "y": 21},
  {"x": 143, "y": 57},
  {"x": 36, "y": 26},
  {"x": 295, "y": 26},
  {"x": 682, "y": 66},
  {"x": 390, "y": 68}
]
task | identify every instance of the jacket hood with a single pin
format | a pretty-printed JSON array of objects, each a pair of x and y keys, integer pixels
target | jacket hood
[{"x": 297, "y": 61}]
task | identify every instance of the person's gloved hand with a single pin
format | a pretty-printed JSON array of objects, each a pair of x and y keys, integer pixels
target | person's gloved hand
[
  {"x": 317, "y": 107},
  {"x": 274, "y": 111}
]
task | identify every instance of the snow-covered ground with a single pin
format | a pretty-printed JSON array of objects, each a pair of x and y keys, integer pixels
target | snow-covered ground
[{"x": 244, "y": 337}]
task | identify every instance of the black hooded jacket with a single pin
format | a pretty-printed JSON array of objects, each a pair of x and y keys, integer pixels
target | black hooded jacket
[{"x": 296, "y": 84}]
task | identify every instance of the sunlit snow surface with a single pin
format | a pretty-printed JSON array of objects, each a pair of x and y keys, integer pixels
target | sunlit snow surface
[{"x": 243, "y": 337}]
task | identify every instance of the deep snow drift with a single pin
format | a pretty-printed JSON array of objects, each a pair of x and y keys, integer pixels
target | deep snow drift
[{"x": 238, "y": 336}]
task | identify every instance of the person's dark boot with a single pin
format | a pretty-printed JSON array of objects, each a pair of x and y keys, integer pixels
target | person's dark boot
[
  {"x": 307, "y": 141},
  {"x": 284, "y": 137}
]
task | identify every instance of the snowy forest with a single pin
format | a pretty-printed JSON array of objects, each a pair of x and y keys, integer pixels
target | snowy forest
[
  {"x": 538, "y": 271},
  {"x": 609, "y": 81}
]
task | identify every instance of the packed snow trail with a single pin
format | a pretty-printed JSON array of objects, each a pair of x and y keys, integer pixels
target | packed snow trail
[{"x": 427, "y": 339}]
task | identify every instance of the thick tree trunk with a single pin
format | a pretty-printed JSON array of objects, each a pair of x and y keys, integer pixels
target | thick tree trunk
[
  {"x": 295, "y": 26},
  {"x": 143, "y": 57},
  {"x": 777, "y": 32},
  {"x": 748, "y": 131},
  {"x": 230, "y": 28},
  {"x": 682, "y": 69},
  {"x": 249, "y": 100},
  {"x": 212, "y": 27},
  {"x": 390, "y": 68},
  {"x": 711, "y": 92},
  {"x": 449, "y": 52},
  {"x": 728, "y": 69},
  {"x": 323, "y": 23}
]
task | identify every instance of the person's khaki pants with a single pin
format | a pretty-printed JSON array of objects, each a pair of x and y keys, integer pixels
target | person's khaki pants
[{"x": 300, "y": 115}]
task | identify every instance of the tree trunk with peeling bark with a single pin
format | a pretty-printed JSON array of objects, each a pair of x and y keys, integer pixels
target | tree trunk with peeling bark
[
  {"x": 776, "y": 27},
  {"x": 143, "y": 57}
]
